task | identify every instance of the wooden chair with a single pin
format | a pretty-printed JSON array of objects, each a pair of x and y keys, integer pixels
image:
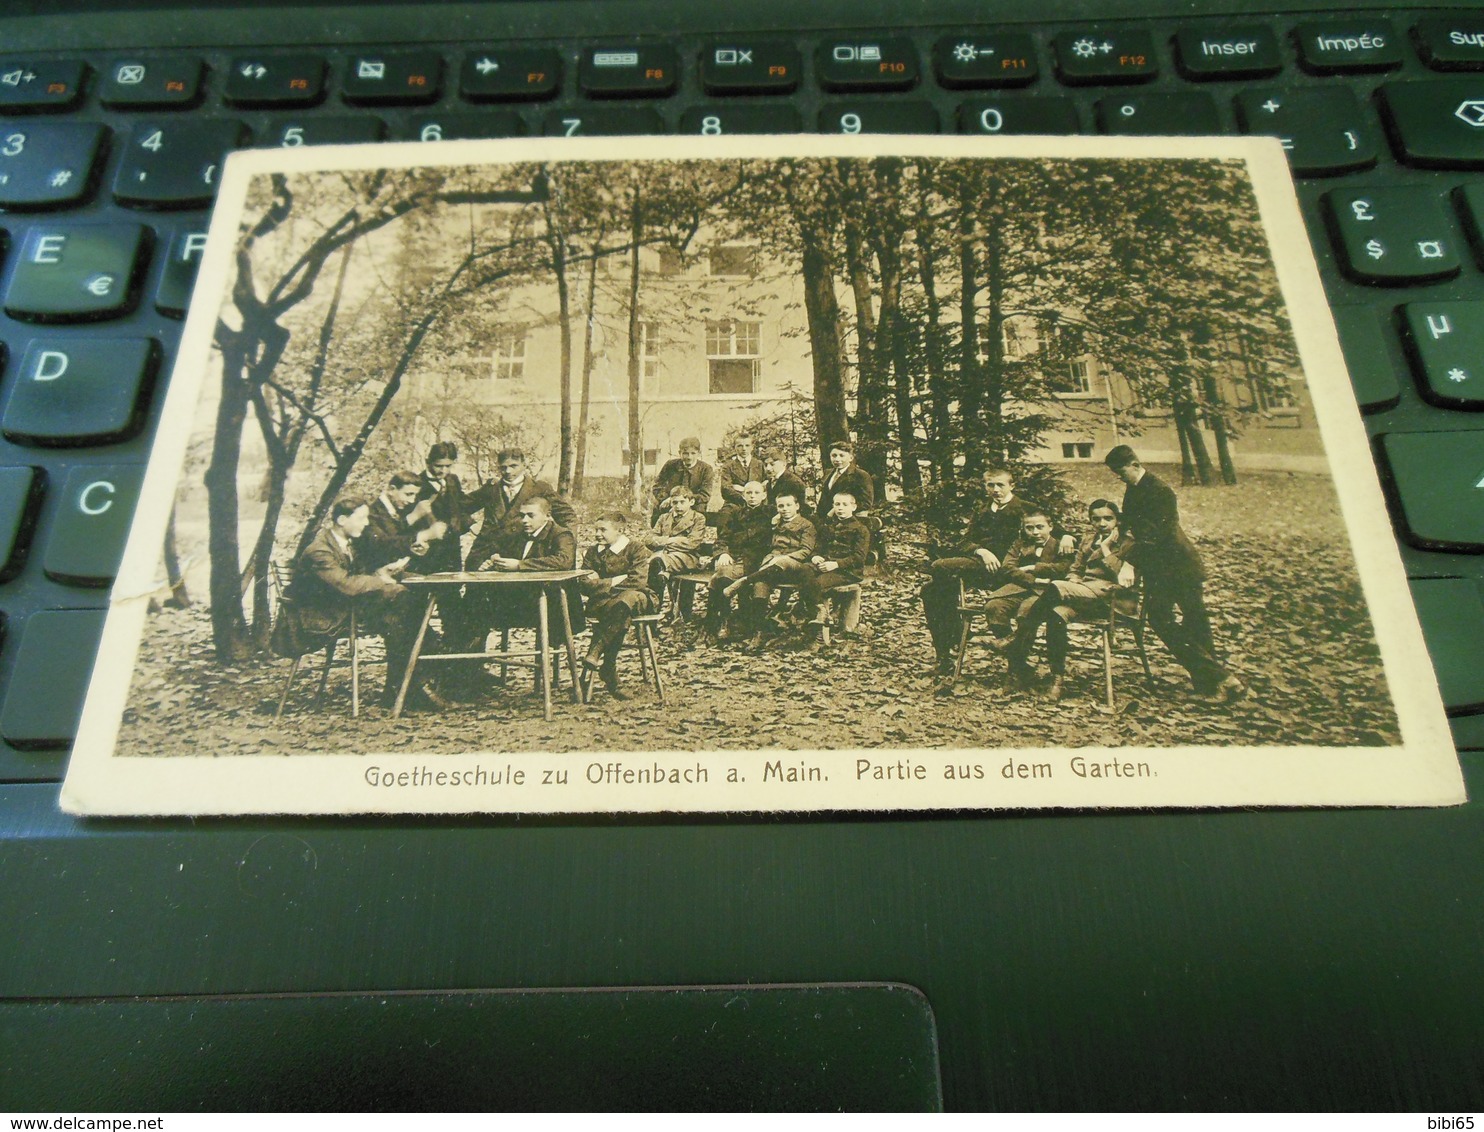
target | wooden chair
[
  {"x": 684, "y": 589},
  {"x": 846, "y": 600},
  {"x": 1126, "y": 609},
  {"x": 967, "y": 612},
  {"x": 350, "y": 633},
  {"x": 644, "y": 626}
]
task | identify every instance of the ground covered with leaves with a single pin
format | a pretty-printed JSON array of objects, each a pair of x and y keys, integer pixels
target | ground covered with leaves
[{"x": 1286, "y": 607}]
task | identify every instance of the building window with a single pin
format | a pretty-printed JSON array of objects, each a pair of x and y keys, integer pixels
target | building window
[
  {"x": 1272, "y": 391},
  {"x": 510, "y": 357},
  {"x": 649, "y": 353},
  {"x": 1080, "y": 374},
  {"x": 1020, "y": 336},
  {"x": 1079, "y": 450},
  {"x": 732, "y": 259},
  {"x": 651, "y": 456},
  {"x": 733, "y": 355}
]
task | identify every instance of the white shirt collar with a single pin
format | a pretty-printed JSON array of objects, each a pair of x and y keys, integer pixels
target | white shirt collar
[{"x": 618, "y": 544}]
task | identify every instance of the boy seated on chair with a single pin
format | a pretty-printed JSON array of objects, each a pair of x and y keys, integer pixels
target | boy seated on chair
[
  {"x": 838, "y": 559},
  {"x": 329, "y": 582},
  {"x": 1088, "y": 589},
  {"x": 785, "y": 563},
  {"x": 617, "y": 590},
  {"x": 744, "y": 534},
  {"x": 674, "y": 541},
  {"x": 1034, "y": 559}
]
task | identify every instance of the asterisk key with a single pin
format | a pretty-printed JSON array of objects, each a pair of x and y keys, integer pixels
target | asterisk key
[{"x": 1456, "y": 374}]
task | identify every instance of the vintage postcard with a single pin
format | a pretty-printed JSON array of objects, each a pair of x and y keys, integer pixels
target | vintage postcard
[{"x": 775, "y": 474}]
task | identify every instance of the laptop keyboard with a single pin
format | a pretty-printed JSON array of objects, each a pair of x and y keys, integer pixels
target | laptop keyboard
[{"x": 109, "y": 161}]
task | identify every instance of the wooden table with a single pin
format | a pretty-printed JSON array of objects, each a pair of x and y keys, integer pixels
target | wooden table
[{"x": 544, "y": 582}]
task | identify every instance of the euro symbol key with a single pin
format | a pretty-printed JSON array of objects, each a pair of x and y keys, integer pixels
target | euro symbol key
[{"x": 100, "y": 285}]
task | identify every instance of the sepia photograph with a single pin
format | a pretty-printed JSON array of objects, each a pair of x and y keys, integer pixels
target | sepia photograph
[{"x": 837, "y": 460}]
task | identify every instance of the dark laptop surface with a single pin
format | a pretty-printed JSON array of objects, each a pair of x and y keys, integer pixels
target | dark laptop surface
[{"x": 1158, "y": 960}]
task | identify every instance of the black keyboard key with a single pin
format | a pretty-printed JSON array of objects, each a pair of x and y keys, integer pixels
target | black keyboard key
[
  {"x": 1022, "y": 115},
  {"x": 749, "y": 67},
  {"x": 53, "y": 664},
  {"x": 1324, "y": 130},
  {"x": 1367, "y": 357},
  {"x": 1249, "y": 51},
  {"x": 498, "y": 75},
  {"x": 1438, "y": 124},
  {"x": 1361, "y": 43},
  {"x": 179, "y": 275},
  {"x": 289, "y": 133},
  {"x": 605, "y": 121},
  {"x": 20, "y": 496},
  {"x": 76, "y": 272},
  {"x": 1437, "y": 479},
  {"x": 1447, "y": 343},
  {"x": 1452, "y": 618},
  {"x": 976, "y": 60},
  {"x": 751, "y": 118},
  {"x": 867, "y": 64},
  {"x": 91, "y": 525},
  {"x": 48, "y": 164},
  {"x": 878, "y": 118},
  {"x": 1162, "y": 114},
  {"x": 82, "y": 391},
  {"x": 1451, "y": 43},
  {"x": 467, "y": 126},
  {"x": 152, "y": 83},
  {"x": 174, "y": 164},
  {"x": 283, "y": 80},
  {"x": 628, "y": 72},
  {"x": 412, "y": 78},
  {"x": 1393, "y": 236},
  {"x": 1095, "y": 56},
  {"x": 1470, "y": 200},
  {"x": 36, "y": 87}
]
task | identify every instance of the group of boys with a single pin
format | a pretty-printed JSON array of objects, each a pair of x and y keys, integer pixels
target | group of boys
[
  {"x": 1034, "y": 576},
  {"x": 765, "y": 538}
]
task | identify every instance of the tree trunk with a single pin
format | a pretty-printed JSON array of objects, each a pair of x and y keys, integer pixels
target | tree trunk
[
  {"x": 179, "y": 597},
  {"x": 992, "y": 410},
  {"x": 971, "y": 379},
  {"x": 564, "y": 318},
  {"x": 822, "y": 310},
  {"x": 940, "y": 420},
  {"x": 350, "y": 455},
  {"x": 1192, "y": 444},
  {"x": 579, "y": 460},
  {"x": 228, "y": 625},
  {"x": 893, "y": 340},
  {"x": 636, "y": 439},
  {"x": 870, "y": 410},
  {"x": 1218, "y": 428}
]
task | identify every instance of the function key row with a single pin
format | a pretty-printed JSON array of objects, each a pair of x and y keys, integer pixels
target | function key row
[
  {"x": 175, "y": 163},
  {"x": 972, "y": 59}
]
